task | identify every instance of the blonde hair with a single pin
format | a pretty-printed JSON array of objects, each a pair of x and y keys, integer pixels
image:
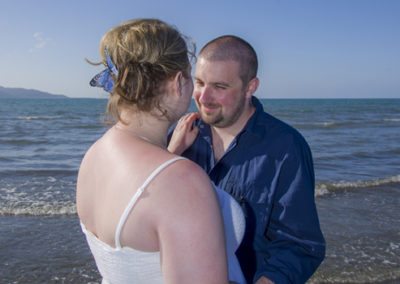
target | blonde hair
[{"x": 146, "y": 53}]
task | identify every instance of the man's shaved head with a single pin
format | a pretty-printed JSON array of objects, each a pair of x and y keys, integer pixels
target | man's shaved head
[{"x": 229, "y": 47}]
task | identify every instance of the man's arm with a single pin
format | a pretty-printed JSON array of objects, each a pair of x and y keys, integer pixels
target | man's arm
[{"x": 293, "y": 245}]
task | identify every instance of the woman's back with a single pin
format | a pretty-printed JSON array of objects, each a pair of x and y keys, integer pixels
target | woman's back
[
  {"x": 162, "y": 218},
  {"x": 125, "y": 264},
  {"x": 111, "y": 173}
]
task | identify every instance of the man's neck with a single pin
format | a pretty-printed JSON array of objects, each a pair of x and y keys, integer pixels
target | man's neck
[{"x": 223, "y": 137}]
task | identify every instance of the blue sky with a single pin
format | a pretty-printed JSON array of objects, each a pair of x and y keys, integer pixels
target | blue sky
[{"x": 306, "y": 48}]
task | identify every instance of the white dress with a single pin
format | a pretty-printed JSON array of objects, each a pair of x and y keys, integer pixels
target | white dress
[
  {"x": 126, "y": 265},
  {"x": 235, "y": 225}
]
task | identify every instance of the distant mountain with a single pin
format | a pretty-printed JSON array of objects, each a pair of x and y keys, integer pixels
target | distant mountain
[{"x": 19, "y": 93}]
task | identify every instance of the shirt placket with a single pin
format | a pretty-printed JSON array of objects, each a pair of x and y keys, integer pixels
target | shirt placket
[{"x": 213, "y": 164}]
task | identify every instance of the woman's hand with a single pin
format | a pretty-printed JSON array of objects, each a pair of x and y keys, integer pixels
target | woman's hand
[
  {"x": 184, "y": 133},
  {"x": 264, "y": 280}
]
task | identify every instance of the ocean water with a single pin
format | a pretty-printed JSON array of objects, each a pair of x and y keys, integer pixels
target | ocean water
[{"x": 356, "y": 150}]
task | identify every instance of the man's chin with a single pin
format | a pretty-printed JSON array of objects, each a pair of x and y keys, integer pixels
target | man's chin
[
  {"x": 209, "y": 119},
  {"x": 206, "y": 117}
]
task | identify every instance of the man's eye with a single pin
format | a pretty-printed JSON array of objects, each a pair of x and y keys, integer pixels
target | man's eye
[{"x": 221, "y": 87}]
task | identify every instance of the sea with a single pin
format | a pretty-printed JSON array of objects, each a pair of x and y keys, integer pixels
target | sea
[{"x": 356, "y": 150}]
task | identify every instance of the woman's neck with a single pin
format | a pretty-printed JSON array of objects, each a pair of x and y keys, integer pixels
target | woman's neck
[{"x": 146, "y": 127}]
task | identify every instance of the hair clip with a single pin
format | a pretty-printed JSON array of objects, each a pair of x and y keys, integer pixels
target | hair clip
[{"x": 104, "y": 79}]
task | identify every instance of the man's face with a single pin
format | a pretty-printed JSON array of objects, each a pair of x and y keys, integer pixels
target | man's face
[{"x": 219, "y": 92}]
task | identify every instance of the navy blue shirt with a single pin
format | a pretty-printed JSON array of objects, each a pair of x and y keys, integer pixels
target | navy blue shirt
[{"x": 268, "y": 169}]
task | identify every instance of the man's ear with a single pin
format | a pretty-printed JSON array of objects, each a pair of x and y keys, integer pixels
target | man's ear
[{"x": 252, "y": 87}]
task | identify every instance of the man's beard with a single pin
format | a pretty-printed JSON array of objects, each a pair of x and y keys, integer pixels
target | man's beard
[{"x": 220, "y": 120}]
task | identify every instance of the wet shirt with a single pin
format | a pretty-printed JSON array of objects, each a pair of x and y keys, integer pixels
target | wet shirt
[{"x": 268, "y": 169}]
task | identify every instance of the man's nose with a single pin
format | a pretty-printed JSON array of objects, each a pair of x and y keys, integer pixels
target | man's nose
[{"x": 205, "y": 95}]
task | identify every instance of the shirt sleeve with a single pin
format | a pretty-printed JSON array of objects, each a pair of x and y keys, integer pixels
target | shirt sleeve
[{"x": 292, "y": 246}]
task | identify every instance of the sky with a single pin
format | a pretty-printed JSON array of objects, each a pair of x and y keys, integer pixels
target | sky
[{"x": 306, "y": 48}]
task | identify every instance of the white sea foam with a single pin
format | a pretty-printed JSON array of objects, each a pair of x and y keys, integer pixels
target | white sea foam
[
  {"x": 322, "y": 124},
  {"x": 327, "y": 123},
  {"x": 321, "y": 190},
  {"x": 47, "y": 196},
  {"x": 38, "y": 209},
  {"x": 392, "y": 119},
  {"x": 51, "y": 179},
  {"x": 35, "y": 117},
  {"x": 28, "y": 117}
]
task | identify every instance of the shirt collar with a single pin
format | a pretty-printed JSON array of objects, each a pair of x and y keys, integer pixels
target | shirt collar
[{"x": 252, "y": 125}]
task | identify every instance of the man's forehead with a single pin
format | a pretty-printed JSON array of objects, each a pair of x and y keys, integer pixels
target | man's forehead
[
  {"x": 203, "y": 59},
  {"x": 217, "y": 72},
  {"x": 225, "y": 65}
]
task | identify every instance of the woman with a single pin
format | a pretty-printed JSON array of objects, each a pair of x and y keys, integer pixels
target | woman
[{"x": 149, "y": 216}]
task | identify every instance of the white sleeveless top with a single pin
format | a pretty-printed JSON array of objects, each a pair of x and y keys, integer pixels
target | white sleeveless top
[{"x": 127, "y": 265}]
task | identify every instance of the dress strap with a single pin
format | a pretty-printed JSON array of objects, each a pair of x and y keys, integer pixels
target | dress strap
[{"x": 136, "y": 196}]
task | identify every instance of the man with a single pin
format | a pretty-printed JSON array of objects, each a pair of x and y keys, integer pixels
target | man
[{"x": 262, "y": 162}]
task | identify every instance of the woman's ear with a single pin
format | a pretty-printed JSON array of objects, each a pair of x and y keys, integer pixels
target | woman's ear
[{"x": 178, "y": 83}]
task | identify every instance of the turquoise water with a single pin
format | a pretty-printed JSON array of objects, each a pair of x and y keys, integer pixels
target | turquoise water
[{"x": 355, "y": 145}]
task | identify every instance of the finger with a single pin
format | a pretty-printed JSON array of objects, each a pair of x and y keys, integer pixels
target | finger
[
  {"x": 184, "y": 117},
  {"x": 191, "y": 118},
  {"x": 195, "y": 130},
  {"x": 184, "y": 125}
]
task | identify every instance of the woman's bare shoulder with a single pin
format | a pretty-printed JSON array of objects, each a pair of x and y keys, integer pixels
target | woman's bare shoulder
[
  {"x": 187, "y": 174},
  {"x": 184, "y": 188}
]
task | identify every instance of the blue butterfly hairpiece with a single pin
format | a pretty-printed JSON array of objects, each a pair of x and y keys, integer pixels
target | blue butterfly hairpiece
[{"x": 104, "y": 79}]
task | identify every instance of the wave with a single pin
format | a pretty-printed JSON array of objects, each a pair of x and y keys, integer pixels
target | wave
[
  {"x": 323, "y": 124},
  {"x": 338, "y": 124},
  {"x": 332, "y": 124},
  {"x": 325, "y": 188},
  {"x": 46, "y": 195},
  {"x": 39, "y": 209},
  {"x": 35, "y": 117},
  {"x": 392, "y": 119},
  {"x": 23, "y": 141},
  {"x": 40, "y": 172},
  {"x": 387, "y": 153},
  {"x": 51, "y": 202}
]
